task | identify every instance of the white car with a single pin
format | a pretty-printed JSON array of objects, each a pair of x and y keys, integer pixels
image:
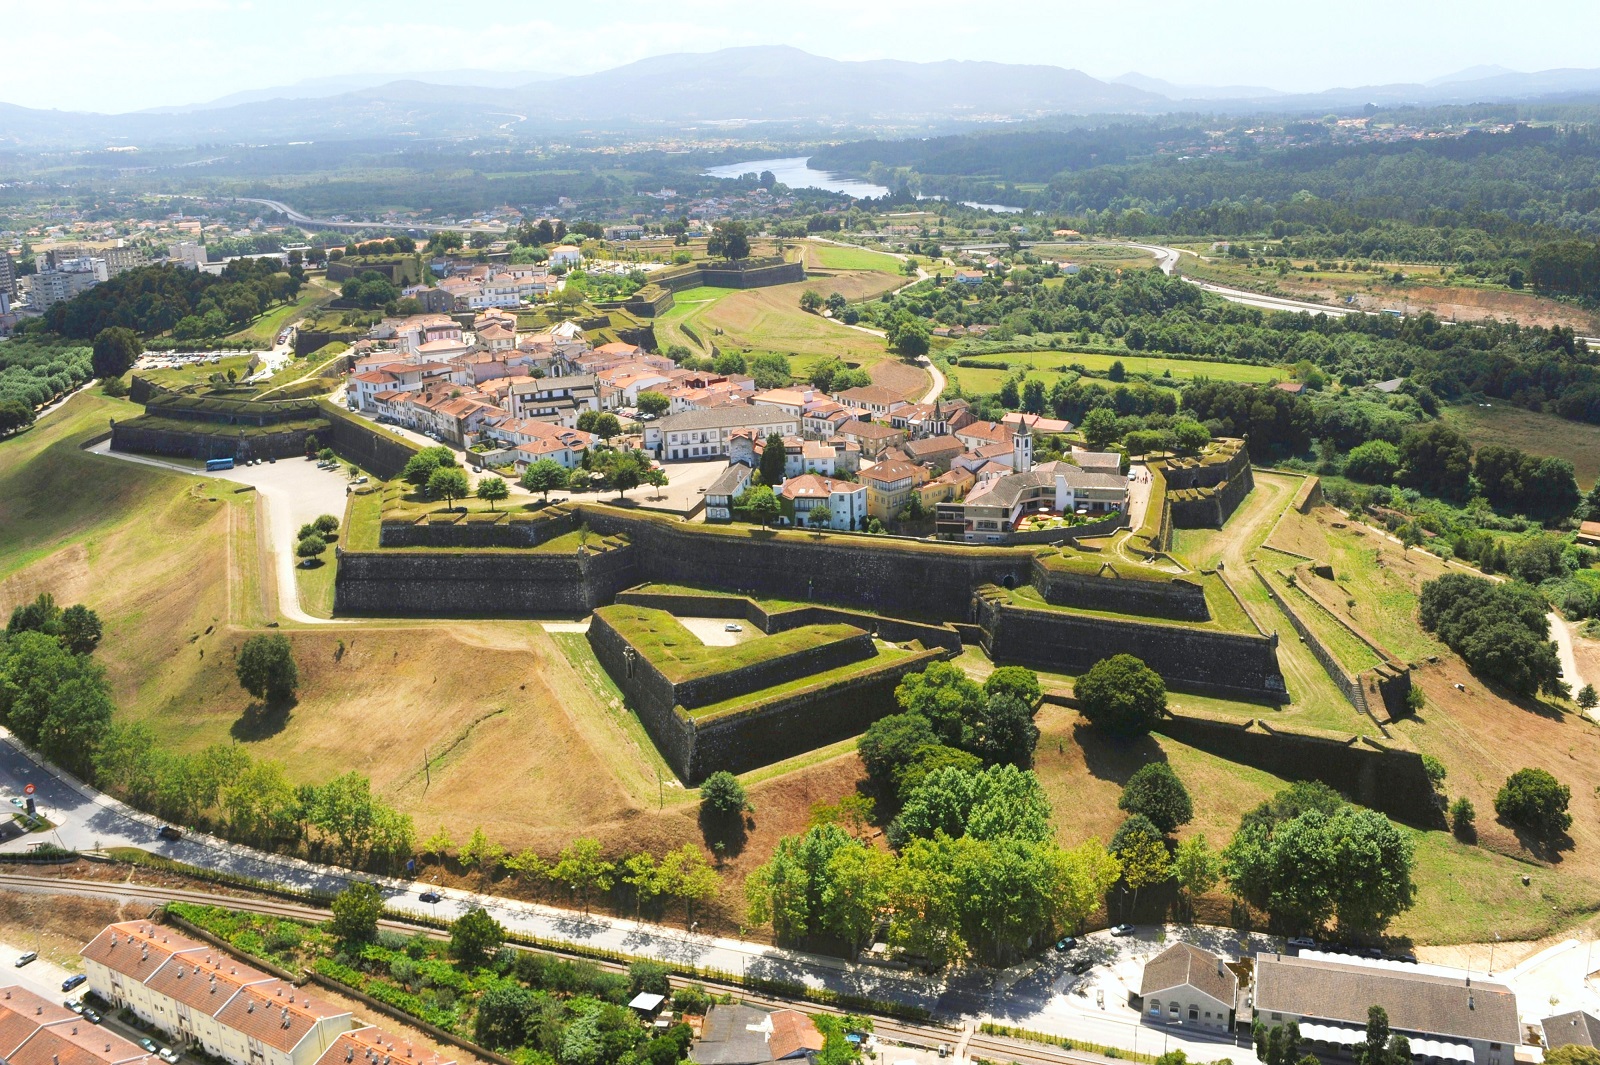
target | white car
[
  {"x": 25, "y": 959},
  {"x": 731, "y": 627},
  {"x": 168, "y": 1055}
]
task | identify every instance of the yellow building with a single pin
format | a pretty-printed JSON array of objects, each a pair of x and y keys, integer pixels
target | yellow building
[{"x": 889, "y": 487}]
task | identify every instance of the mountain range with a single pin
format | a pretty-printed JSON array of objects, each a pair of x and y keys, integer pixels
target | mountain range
[{"x": 736, "y": 87}]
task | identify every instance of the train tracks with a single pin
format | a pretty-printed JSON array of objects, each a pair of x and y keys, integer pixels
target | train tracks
[{"x": 925, "y": 1036}]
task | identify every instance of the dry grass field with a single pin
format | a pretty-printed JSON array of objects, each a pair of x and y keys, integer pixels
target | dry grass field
[{"x": 1534, "y": 432}]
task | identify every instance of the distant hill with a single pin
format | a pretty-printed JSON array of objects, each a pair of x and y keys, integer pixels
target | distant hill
[{"x": 732, "y": 87}]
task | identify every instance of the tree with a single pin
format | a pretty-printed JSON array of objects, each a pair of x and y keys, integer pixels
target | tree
[
  {"x": 787, "y": 891},
  {"x": 266, "y": 667},
  {"x": 1078, "y": 882},
  {"x": 451, "y": 483},
  {"x": 1189, "y": 435},
  {"x": 581, "y": 867},
  {"x": 40, "y": 615},
  {"x": 1121, "y": 695},
  {"x": 912, "y": 340},
  {"x": 503, "y": 1012},
  {"x": 1535, "y": 800},
  {"x": 492, "y": 489},
  {"x": 1462, "y": 817},
  {"x": 115, "y": 351},
  {"x": 1588, "y": 698},
  {"x": 945, "y": 697},
  {"x": 422, "y": 465},
  {"x": 1500, "y": 629},
  {"x": 310, "y": 546},
  {"x": 1374, "y": 462},
  {"x": 474, "y": 937},
  {"x": 760, "y": 502},
  {"x": 1142, "y": 852},
  {"x": 890, "y": 744},
  {"x": 722, "y": 795},
  {"x": 1436, "y": 459},
  {"x": 1003, "y": 732},
  {"x": 543, "y": 476},
  {"x": 1196, "y": 867},
  {"x": 653, "y": 403},
  {"x": 356, "y": 911},
  {"x": 731, "y": 240},
  {"x": 1155, "y": 791},
  {"x": 686, "y": 874},
  {"x": 1099, "y": 428},
  {"x": 855, "y": 888},
  {"x": 1572, "y": 1054},
  {"x": 623, "y": 470},
  {"x": 480, "y": 853},
  {"x": 80, "y": 629},
  {"x": 326, "y": 524},
  {"x": 774, "y": 458},
  {"x": 999, "y": 802},
  {"x": 1013, "y": 680},
  {"x": 648, "y": 977},
  {"x": 811, "y": 301}
]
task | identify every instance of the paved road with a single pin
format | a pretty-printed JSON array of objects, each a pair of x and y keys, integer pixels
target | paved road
[
  {"x": 936, "y": 389},
  {"x": 1561, "y": 633},
  {"x": 295, "y": 491},
  {"x": 299, "y": 219}
]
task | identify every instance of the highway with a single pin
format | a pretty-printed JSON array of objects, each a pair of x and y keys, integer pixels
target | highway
[{"x": 327, "y": 223}]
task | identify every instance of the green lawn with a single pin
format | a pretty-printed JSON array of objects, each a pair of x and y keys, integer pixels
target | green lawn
[
  {"x": 315, "y": 584},
  {"x": 265, "y": 329},
  {"x": 1048, "y": 365},
  {"x": 833, "y": 257},
  {"x": 887, "y": 655},
  {"x": 682, "y": 656}
]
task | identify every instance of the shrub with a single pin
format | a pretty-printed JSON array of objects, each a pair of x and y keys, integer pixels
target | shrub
[
  {"x": 1535, "y": 800},
  {"x": 1463, "y": 818},
  {"x": 1155, "y": 791},
  {"x": 1121, "y": 695},
  {"x": 723, "y": 795}
]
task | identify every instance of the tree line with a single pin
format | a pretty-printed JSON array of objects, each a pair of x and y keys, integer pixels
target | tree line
[{"x": 154, "y": 299}]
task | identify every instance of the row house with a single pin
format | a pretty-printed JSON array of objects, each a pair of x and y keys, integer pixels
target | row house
[
  {"x": 375, "y": 1046},
  {"x": 875, "y": 399},
  {"x": 704, "y": 434},
  {"x": 534, "y": 440},
  {"x": 823, "y": 418},
  {"x": 199, "y": 995},
  {"x": 872, "y": 438},
  {"x": 620, "y": 386},
  {"x": 35, "y": 1030},
  {"x": 826, "y": 502},
  {"x": 920, "y": 419},
  {"x": 552, "y": 398},
  {"x": 889, "y": 487},
  {"x": 938, "y": 451},
  {"x": 794, "y": 401},
  {"x": 453, "y": 415},
  {"x": 728, "y": 486}
]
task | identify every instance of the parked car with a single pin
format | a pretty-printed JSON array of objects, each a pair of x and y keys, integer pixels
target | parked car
[
  {"x": 19, "y": 802},
  {"x": 74, "y": 1005},
  {"x": 731, "y": 627},
  {"x": 73, "y": 981},
  {"x": 429, "y": 896},
  {"x": 31, "y": 956},
  {"x": 1081, "y": 966},
  {"x": 1122, "y": 930},
  {"x": 169, "y": 832},
  {"x": 1303, "y": 943},
  {"x": 1066, "y": 943},
  {"x": 91, "y": 1016},
  {"x": 149, "y": 1045},
  {"x": 168, "y": 1055}
]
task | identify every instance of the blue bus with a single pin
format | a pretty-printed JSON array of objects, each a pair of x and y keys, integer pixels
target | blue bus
[{"x": 213, "y": 465}]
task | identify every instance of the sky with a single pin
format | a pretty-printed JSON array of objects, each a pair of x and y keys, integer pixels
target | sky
[{"x": 124, "y": 55}]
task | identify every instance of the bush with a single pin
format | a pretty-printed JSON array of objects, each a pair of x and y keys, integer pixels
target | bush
[
  {"x": 1374, "y": 462},
  {"x": 723, "y": 795},
  {"x": 1499, "y": 629},
  {"x": 1535, "y": 800},
  {"x": 1463, "y": 819}
]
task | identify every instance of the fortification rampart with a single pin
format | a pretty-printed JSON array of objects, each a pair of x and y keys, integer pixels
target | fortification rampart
[
  {"x": 1204, "y": 492},
  {"x": 1176, "y": 598},
  {"x": 479, "y": 584},
  {"x": 489, "y": 530},
  {"x": 361, "y": 442},
  {"x": 1232, "y": 665},
  {"x": 894, "y": 630}
]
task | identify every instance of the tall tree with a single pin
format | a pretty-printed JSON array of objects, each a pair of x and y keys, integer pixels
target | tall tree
[
  {"x": 774, "y": 458},
  {"x": 266, "y": 667},
  {"x": 1155, "y": 791}
]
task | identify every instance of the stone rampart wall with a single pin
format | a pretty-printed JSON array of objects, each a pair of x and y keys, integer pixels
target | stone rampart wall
[
  {"x": 1373, "y": 774},
  {"x": 483, "y": 584},
  {"x": 718, "y": 687},
  {"x": 1176, "y": 599},
  {"x": 1188, "y": 659},
  {"x": 363, "y": 443},
  {"x": 504, "y": 533},
  {"x": 894, "y": 630}
]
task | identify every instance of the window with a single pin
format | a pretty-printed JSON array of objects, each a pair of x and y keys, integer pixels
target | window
[
  {"x": 1155, "y": 1007},
  {"x": 1194, "y": 1013},
  {"x": 1277, "y": 1016}
]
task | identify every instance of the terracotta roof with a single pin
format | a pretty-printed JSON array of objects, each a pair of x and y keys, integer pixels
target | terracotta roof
[
  {"x": 1416, "y": 1002},
  {"x": 21, "y": 1014},
  {"x": 869, "y": 394},
  {"x": 811, "y": 486},
  {"x": 1182, "y": 964},
  {"x": 792, "y": 1032},
  {"x": 934, "y": 445},
  {"x": 374, "y": 1046},
  {"x": 276, "y": 1014},
  {"x": 78, "y": 1043},
  {"x": 869, "y": 430},
  {"x": 888, "y": 472},
  {"x": 137, "y": 949}
]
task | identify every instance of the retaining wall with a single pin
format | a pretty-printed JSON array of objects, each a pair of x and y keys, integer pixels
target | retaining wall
[
  {"x": 363, "y": 443},
  {"x": 894, "y": 630},
  {"x": 276, "y": 444},
  {"x": 483, "y": 584},
  {"x": 509, "y": 531},
  {"x": 1233, "y": 665}
]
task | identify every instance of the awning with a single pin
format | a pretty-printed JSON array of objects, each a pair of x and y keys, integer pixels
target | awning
[
  {"x": 1328, "y": 1033},
  {"x": 1434, "y": 1048}
]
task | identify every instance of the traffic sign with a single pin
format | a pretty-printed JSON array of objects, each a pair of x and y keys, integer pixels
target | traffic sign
[{"x": 28, "y": 790}]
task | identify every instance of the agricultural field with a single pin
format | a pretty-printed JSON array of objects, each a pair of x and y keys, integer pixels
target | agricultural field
[
  {"x": 833, "y": 257},
  {"x": 1534, "y": 432},
  {"x": 1107, "y": 256},
  {"x": 1049, "y": 366},
  {"x": 760, "y": 320}
]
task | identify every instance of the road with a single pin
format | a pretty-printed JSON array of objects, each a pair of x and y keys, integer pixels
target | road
[
  {"x": 295, "y": 492},
  {"x": 1561, "y": 633},
  {"x": 425, "y": 227},
  {"x": 936, "y": 389}
]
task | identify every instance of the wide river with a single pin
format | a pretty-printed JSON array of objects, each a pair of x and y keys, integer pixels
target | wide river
[{"x": 797, "y": 174}]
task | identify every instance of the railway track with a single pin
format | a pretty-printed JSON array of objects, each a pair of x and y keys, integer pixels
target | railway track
[{"x": 926, "y": 1036}]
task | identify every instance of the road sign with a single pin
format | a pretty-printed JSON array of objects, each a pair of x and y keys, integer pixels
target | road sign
[{"x": 28, "y": 790}]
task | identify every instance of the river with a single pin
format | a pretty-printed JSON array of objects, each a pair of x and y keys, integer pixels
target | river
[{"x": 796, "y": 173}]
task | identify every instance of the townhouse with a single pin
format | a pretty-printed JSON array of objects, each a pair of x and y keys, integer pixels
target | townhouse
[
  {"x": 889, "y": 487},
  {"x": 35, "y": 1030},
  {"x": 873, "y": 439},
  {"x": 703, "y": 434},
  {"x": 728, "y": 486},
  {"x": 991, "y": 510},
  {"x": 827, "y": 502},
  {"x": 199, "y": 995},
  {"x": 875, "y": 399},
  {"x": 531, "y": 441},
  {"x": 375, "y": 1046},
  {"x": 554, "y": 398}
]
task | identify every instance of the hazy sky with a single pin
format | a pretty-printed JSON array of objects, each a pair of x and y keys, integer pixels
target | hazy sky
[{"x": 120, "y": 55}]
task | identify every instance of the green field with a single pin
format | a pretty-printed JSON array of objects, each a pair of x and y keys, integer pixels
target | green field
[
  {"x": 265, "y": 329},
  {"x": 1048, "y": 366},
  {"x": 833, "y": 257}
]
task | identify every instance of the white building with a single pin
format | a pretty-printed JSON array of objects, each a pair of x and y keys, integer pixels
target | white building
[
  {"x": 704, "y": 434},
  {"x": 1187, "y": 986},
  {"x": 826, "y": 502},
  {"x": 188, "y": 254},
  {"x": 70, "y": 277},
  {"x": 199, "y": 995}
]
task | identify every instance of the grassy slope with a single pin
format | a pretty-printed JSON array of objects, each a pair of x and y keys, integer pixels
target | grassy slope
[
  {"x": 1048, "y": 366},
  {"x": 833, "y": 257},
  {"x": 681, "y": 655}
]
